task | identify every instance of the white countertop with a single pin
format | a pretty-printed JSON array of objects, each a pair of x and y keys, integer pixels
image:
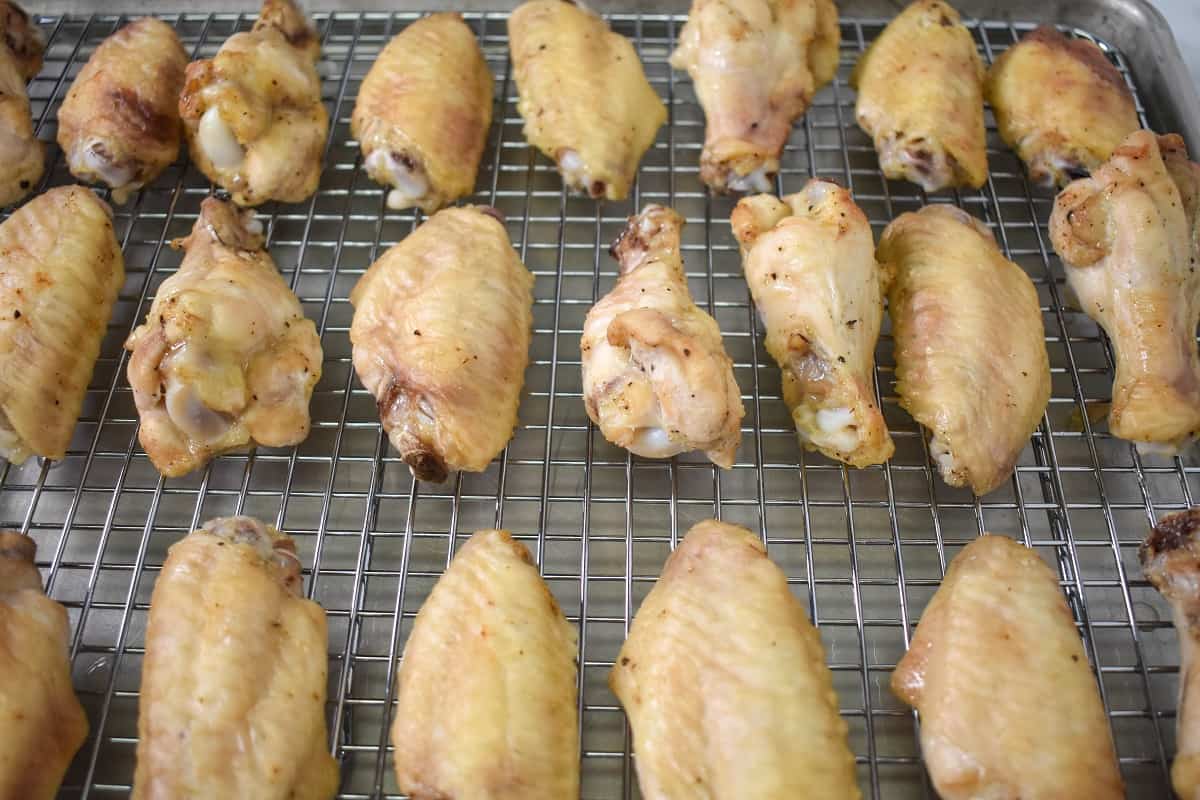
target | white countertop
[{"x": 1184, "y": 16}]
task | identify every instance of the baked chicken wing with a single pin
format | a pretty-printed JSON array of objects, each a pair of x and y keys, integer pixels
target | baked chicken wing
[
  {"x": 920, "y": 97},
  {"x": 1009, "y": 707},
  {"x": 253, "y": 115},
  {"x": 233, "y": 681},
  {"x": 62, "y": 269},
  {"x": 22, "y": 156},
  {"x": 971, "y": 363},
  {"x": 1129, "y": 237},
  {"x": 724, "y": 681},
  {"x": 423, "y": 112},
  {"x": 1171, "y": 560},
  {"x": 119, "y": 123},
  {"x": 1060, "y": 103},
  {"x": 22, "y": 38},
  {"x": 583, "y": 95},
  {"x": 756, "y": 65},
  {"x": 487, "y": 697},
  {"x": 43, "y": 722},
  {"x": 656, "y": 378},
  {"x": 441, "y": 336},
  {"x": 226, "y": 356},
  {"x": 810, "y": 263}
]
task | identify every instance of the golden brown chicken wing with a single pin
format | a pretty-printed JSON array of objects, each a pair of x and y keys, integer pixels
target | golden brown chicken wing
[
  {"x": 486, "y": 702},
  {"x": 756, "y": 65},
  {"x": 583, "y": 95},
  {"x": 22, "y": 157},
  {"x": 62, "y": 270},
  {"x": 441, "y": 336},
  {"x": 253, "y": 114},
  {"x": 226, "y": 356},
  {"x": 656, "y": 378},
  {"x": 1009, "y": 707},
  {"x": 920, "y": 96},
  {"x": 22, "y": 38},
  {"x": 1130, "y": 239},
  {"x": 810, "y": 263},
  {"x": 971, "y": 363},
  {"x": 43, "y": 722},
  {"x": 423, "y": 112},
  {"x": 232, "y": 699},
  {"x": 1060, "y": 103}
]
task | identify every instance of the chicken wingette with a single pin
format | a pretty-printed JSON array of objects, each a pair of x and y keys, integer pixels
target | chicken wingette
[
  {"x": 22, "y": 156},
  {"x": 656, "y": 377},
  {"x": 971, "y": 362},
  {"x": 119, "y": 123},
  {"x": 62, "y": 271},
  {"x": 422, "y": 113},
  {"x": 253, "y": 114},
  {"x": 756, "y": 65},
  {"x": 724, "y": 681},
  {"x": 920, "y": 97},
  {"x": 486, "y": 697},
  {"x": 232, "y": 701},
  {"x": 810, "y": 263},
  {"x": 1009, "y": 707},
  {"x": 1060, "y": 104},
  {"x": 583, "y": 95},
  {"x": 23, "y": 39},
  {"x": 226, "y": 356},
  {"x": 1129, "y": 237},
  {"x": 43, "y": 723},
  {"x": 441, "y": 335}
]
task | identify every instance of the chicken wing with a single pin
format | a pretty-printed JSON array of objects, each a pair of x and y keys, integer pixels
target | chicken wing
[
  {"x": 810, "y": 263},
  {"x": 233, "y": 681},
  {"x": 920, "y": 96},
  {"x": 1170, "y": 558},
  {"x": 756, "y": 65},
  {"x": 253, "y": 115},
  {"x": 43, "y": 722},
  {"x": 656, "y": 378},
  {"x": 971, "y": 363},
  {"x": 486, "y": 696},
  {"x": 120, "y": 121},
  {"x": 22, "y": 156},
  {"x": 22, "y": 38},
  {"x": 583, "y": 95},
  {"x": 1060, "y": 104},
  {"x": 423, "y": 112},
  {"x": 724, "y": 681},
  {"x": 62, "y": 271},
  {"x": 1009, "y": 707},
  {"x": 441, "y": 336},
  {"x": 226, "y": 356},
  {"x": 1129, "y": 237}
]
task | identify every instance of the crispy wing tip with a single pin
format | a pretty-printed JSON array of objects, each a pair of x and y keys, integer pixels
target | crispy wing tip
[
  {"x": 272, "y": 546},
  {"x": 1171, "y": 553}
]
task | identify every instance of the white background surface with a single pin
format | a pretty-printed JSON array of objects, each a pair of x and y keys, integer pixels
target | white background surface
[{"x": 1184, "y": 16}]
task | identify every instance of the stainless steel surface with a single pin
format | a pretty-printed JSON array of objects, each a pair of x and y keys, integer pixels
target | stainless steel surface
[{"x": 865, "y": 549}]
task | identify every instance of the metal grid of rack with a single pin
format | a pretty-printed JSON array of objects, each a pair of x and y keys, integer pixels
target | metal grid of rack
[{"x": 865, "y": 549}]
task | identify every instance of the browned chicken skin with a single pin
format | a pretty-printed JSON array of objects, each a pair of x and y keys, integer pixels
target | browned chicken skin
[
  {"x": 23, "y": 39},
  {"x": 22, "y": 156}
]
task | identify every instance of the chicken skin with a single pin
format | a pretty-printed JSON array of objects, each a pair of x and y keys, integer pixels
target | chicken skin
[
  {"x": 22, "y": 156},
  {"x": 756, "y": 65},
  {"x": 226, "y": 356},
  {"x": 583, "y": 95},
  {"x": 810, "y": 263},
  {"x": 1170, "y": 558},
  {"x": 253, "y": 115},
  {"x": 486, "y": 702},
  {"x": 656, "y": 378},
  {"x": 1060, "y": 104},
  {"x": 1009, "y": 707},
  {"x": 1129, "y": 238},
  {"x": 920, "y": 97},
  {"x": 971, "y": 363},
  {"x": 441, "y": 335},
  {"x": 119, "y": 123},
  {"x": 423, "y": 112},
  {"x": 62, "y": 271},
  {"x": 233, "y": 681},
  {"x": 724, "y": 681},
  {"x": 43, "y": 722},
  {"x": 22, "y": 38}
]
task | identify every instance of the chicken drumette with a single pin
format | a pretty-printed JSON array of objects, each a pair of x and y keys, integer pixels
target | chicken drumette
[{"x": 22, "y": 156}]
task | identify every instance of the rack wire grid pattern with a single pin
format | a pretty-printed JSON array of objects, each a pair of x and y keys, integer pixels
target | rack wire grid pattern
[{"x": 864, "y": 549}]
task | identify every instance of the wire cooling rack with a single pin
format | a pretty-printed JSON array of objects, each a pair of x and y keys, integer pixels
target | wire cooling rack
[{"x": 865, "y": 549}]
